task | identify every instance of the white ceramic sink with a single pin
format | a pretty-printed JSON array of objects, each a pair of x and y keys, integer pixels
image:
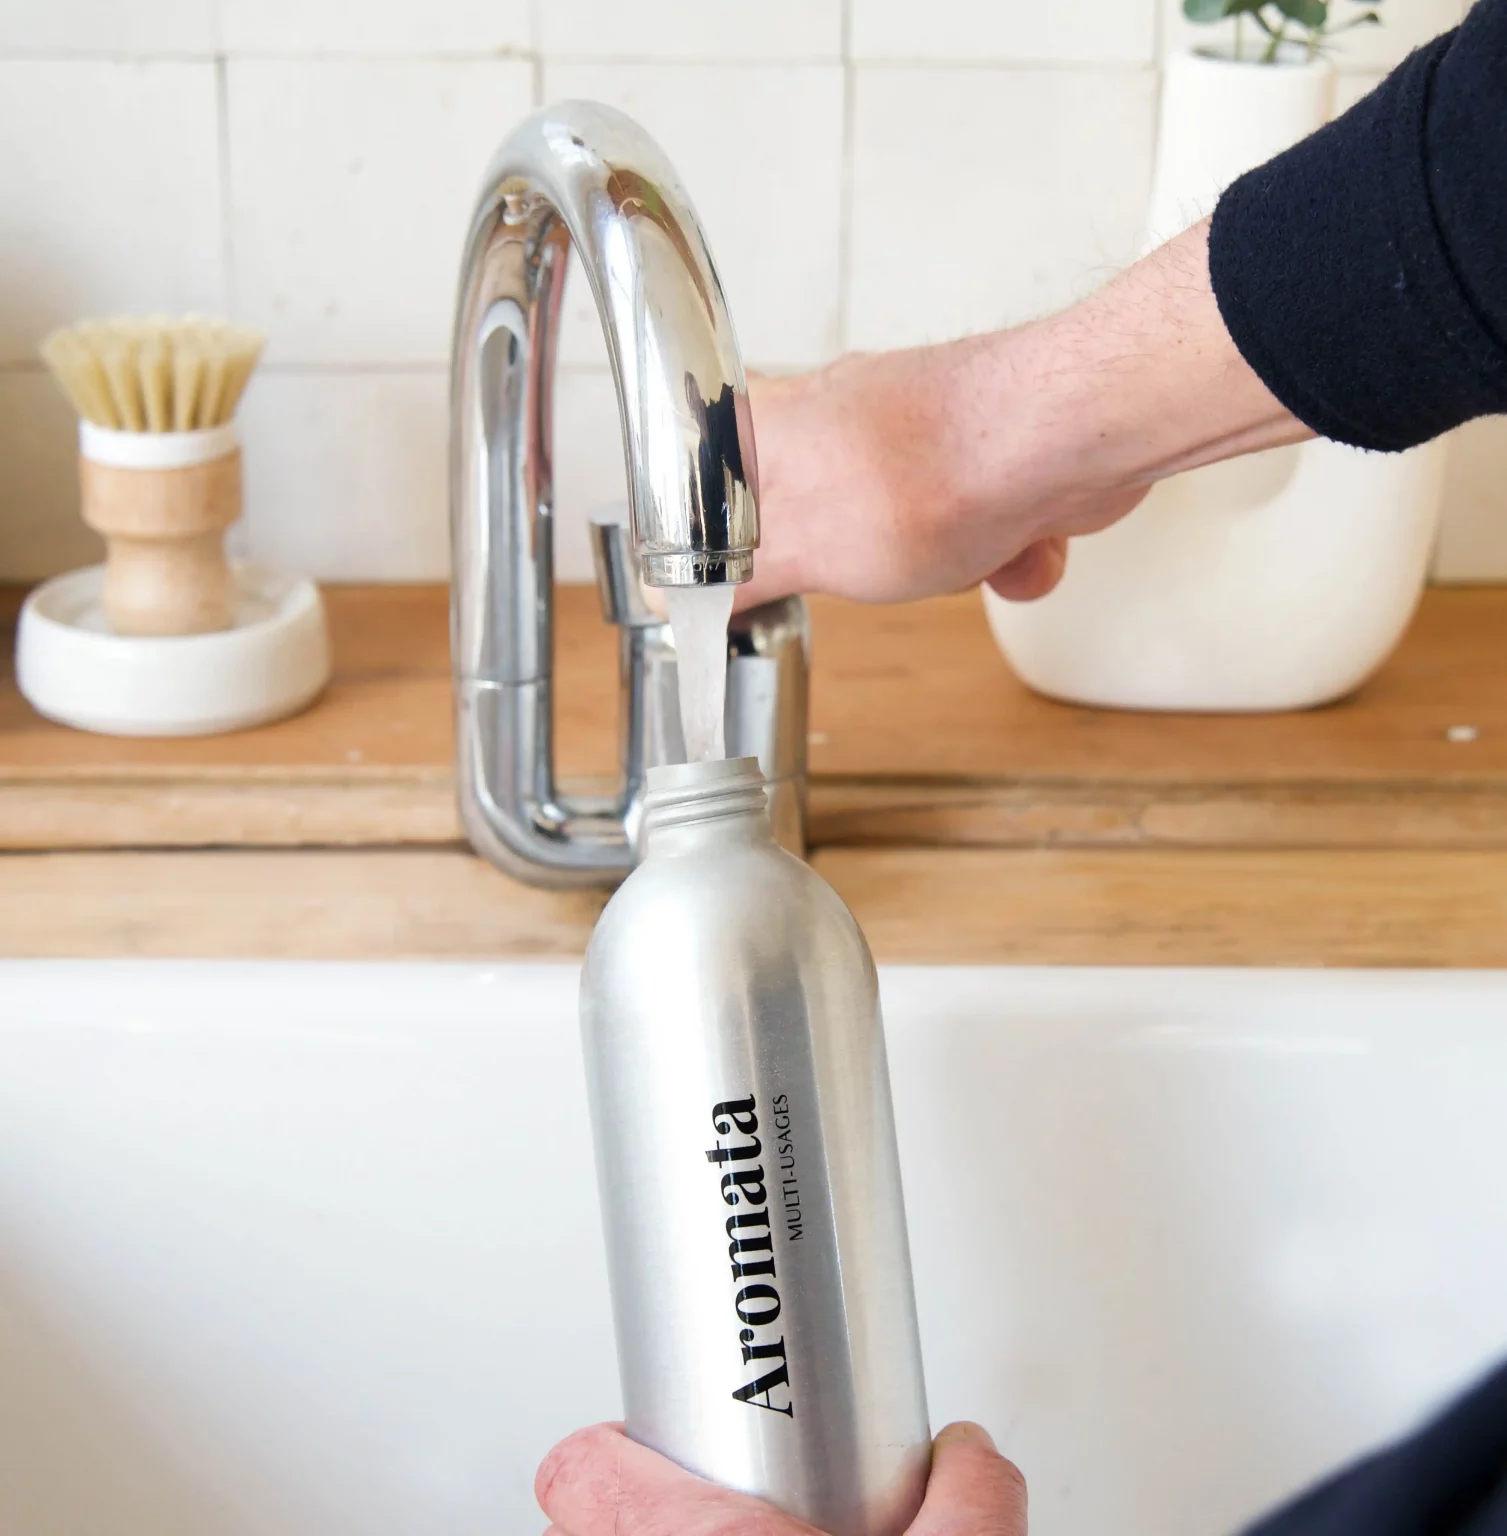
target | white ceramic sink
[{"x": 313, "y": 1250}]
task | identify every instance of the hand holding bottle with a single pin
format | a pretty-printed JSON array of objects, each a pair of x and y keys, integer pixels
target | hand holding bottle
[{"x": 600, "y": 1483}]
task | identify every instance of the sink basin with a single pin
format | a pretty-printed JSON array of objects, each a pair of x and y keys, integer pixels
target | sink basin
[{"x": 313, "y": 1250}]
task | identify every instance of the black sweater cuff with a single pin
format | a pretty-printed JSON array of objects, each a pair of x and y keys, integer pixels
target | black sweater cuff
[{"x": 1336, "y": 279}]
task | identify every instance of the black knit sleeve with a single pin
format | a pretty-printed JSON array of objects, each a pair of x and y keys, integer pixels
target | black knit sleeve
[
  {"x": 1448, "y": 1480},
  {"x": 1363, "y": 273}
]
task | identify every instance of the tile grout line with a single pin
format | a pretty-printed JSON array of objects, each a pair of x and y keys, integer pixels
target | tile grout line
[
  {"x": 240, "y": 539},
  {"x": 845, "y": 186},
  {"x": 1158, "y": 46},
  {"x": 536, "y": 55},
  {"x": 18, "y": 367},
  {"x": 510, "y": 54},
  {"x": 222, "y": 152},
  {"x": 533, "y": 56}
]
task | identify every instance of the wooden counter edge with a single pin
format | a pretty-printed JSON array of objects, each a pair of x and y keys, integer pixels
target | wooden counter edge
[
  {"x": 380, "y": 808},
  {"x": 1352, "y": 907}
]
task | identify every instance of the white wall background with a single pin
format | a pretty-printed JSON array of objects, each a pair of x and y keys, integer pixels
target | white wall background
[{"x": 871, "y": 172}]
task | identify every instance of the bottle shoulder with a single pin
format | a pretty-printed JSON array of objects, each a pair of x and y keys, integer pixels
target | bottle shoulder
[
  {"x": 747, "y": 896},
  {"x": 725, "y": 875}
]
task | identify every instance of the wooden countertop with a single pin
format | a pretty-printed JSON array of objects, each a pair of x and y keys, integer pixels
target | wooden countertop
[
  {"x": 957, "y": 906},
  {"x": 963, "y": 818},
  {"x": 921, "y": 736}
]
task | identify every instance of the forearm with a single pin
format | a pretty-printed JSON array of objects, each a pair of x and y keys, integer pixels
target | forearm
[
  {"x": 903, "y": 474},
  {"x": 1133, "y": 384}
]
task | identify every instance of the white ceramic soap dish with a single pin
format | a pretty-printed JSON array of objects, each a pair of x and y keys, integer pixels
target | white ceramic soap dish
[{"x": 270, "y": 663}]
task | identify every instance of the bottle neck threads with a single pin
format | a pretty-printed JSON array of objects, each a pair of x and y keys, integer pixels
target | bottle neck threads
[{"x": 683, "y": 796}]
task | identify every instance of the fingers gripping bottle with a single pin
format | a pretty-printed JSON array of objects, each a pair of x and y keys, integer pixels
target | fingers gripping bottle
[{"x": 750, "y": 1182}]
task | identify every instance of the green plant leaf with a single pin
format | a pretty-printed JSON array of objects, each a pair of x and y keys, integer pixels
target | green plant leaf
[
  {"x": 1206, "y": 10},
  {"x": 1312, "y": 14}
]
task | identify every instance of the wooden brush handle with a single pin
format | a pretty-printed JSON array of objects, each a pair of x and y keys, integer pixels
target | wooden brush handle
[{"x": 164, "y": 529}]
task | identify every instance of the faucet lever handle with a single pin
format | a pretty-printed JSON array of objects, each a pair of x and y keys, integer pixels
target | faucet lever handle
[{"x": 618, "y": 570}]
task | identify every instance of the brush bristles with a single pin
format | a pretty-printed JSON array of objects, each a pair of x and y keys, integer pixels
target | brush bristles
[{"x": 153, "y": 375}]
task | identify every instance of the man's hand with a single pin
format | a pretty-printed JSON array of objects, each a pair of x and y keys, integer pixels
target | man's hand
[
  {"x": 601, "y": 1483},
  {"x": 900, "y": 475}
]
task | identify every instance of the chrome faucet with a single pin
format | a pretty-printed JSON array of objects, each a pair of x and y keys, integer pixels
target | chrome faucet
[{"x": 585, "y": 176}]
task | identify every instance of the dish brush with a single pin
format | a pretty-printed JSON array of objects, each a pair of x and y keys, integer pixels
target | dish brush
[{"x": 159, "y": 461}]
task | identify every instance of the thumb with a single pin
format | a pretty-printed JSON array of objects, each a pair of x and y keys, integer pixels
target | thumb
[{"x": 973, "y": 1490}]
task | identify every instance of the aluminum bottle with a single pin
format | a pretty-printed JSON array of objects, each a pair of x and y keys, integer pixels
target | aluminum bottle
[{"x": 750, "y": 1184}]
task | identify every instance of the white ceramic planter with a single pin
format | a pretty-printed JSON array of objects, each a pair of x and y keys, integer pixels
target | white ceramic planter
[
  {"x": 1276, "y": 581},
  {"x": 1219, "y": 118}
]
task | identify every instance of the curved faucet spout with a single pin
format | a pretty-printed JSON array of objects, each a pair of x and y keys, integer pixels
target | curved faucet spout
[
  {"x": 584, "y": 174},
  {"x": 580, "y": 175}
]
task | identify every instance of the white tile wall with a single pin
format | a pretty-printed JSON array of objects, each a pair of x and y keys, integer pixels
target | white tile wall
[
  {"x": 351, "y": 184},
  {"x": 106, "y": 27},
  {"x": 982, "y": 197},
  {"x": 871, "y": 172},
  {"x": 345, "y": 474},
  {"x": 691, "y": 29},
  {"x": 362, "y": 27},
  {"x": 767, "y": 184},
  {"x": 110, "y": 188},
  {"x": 1086, "y": 31},
  {"x": 589, "y": 471}
]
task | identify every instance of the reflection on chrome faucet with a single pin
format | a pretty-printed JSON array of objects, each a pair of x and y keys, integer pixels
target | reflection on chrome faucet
[{"x": 584, "y": 176}]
